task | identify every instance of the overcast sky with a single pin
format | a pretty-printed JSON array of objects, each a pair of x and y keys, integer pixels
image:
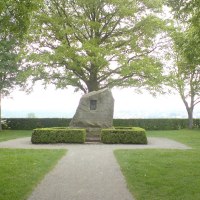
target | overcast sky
[{"x": 63, "y": 103}]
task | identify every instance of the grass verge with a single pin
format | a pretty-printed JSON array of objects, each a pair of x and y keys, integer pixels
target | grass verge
[
  {"x": 13, "y": 134},
  {"x": 21, "y": 170},
  {"x": 188, "y": 137},
  {"x": 158, "y": 174}
]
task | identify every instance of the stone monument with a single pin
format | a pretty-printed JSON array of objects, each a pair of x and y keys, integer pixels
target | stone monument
[{"x": 95, "y": 111}]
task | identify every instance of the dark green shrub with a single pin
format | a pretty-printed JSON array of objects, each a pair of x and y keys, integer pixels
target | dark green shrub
[
  {"x": 58, "y": 135},
  {"x": 4, "y": 124},
  {"x": 121, "y": 127},
  {"x": 147, "y": 124},
  {"x": 133, "y": 135},
  {"x": 154, "y": 124},
  {"x": 32, "y": 123}
]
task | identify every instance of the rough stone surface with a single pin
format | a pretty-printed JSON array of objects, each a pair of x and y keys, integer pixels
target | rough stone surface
[{"x": 95, "y": 110}]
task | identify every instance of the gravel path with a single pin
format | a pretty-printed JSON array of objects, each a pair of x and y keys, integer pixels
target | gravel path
[
  {"x": 153, "y": 142},
  {"x": 87, "y": 172}
]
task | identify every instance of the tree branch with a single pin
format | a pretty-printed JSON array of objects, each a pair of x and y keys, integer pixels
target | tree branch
[{"x": 107, "y": 34}]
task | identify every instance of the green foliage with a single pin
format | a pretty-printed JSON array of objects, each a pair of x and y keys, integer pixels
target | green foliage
[
  {"x": 154, "y": 124},
  {"x": 95, "y": 44},
  {"x": 148, "y": 124},
  {"x": 133, "y": 135},
  {"x": 22, "y": 170},
  {"x": 4, "y": 124},
  {"x": 187, "y": 13},
  {"x": 14, "y": 22},
  {"x": 8, "y": 66},
  {"x": 15, "y": 16},
  {"x": 183, "y": 74},
  {"x": 58, "y": 135},
  {"x": 32, "y": 123}
]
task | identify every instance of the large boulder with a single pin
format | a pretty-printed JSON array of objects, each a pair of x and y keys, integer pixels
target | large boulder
[{"x": 95, "y": 110}]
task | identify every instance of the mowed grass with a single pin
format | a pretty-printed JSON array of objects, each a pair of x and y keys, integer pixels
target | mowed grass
[
  {"x": 189, "y": 137},
  {"x": 13, "y": 134},
  {"x": 160, "y": 174},
  {"x": 21, "y": 170}
]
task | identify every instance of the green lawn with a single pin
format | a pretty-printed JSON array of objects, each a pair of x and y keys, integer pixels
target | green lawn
[
  {"x": 158, "y": 174},
  {"x": 13, "y": 134},
  {"x": 21, "y": 170},
  {"x": 189, "y": 137}
]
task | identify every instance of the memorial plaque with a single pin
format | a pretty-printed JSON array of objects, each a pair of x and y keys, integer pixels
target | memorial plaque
[{"x": 93, "y": 104}]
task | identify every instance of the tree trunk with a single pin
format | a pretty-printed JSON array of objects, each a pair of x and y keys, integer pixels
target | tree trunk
[
  {"x": 92, "y": 87},
  {"x": 0, "y": 112},
  {"x": 189, "y": 110},
  {"x": 92, "y": 84},
  {"x": 190, "y": 118}
]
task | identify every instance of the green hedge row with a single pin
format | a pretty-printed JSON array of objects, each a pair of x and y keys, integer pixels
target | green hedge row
[
  {"x": 133, "y": 135},
  {"x": 58, "y": 135},
  {"x": 32, "y": 123},
  {"x": 156, "y": 124},
  {"x": 148, "y": 124}
]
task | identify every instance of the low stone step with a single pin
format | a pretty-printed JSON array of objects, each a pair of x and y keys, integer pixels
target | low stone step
[{"x": 93, "y": 139}]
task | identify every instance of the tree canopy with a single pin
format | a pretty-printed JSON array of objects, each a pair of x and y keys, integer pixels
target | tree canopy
[
  {"x": 184, "y": 76},
  {"x": 185, "y": 71},
  {"x": 14, "y": 22},
  {"x": 93, "y": 44},
  {"x": 188, "y": 14}
]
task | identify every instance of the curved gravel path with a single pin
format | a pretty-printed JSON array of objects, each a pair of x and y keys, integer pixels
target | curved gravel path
[{"x": 88, "y": 171}]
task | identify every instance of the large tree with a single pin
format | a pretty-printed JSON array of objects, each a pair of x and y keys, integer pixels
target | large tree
[
  {"x": 14, "y": 22},
  {"x": 93, "y": 44}
]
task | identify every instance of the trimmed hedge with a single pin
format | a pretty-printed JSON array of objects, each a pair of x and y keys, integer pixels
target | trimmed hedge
[
  {"x": 153, "y": 124},
  {"x": 133, "y": 135},
  {"x": 148, "y": 124},
  {"x": 32, "y": 123},
  {"x": 58, "y": 135}
]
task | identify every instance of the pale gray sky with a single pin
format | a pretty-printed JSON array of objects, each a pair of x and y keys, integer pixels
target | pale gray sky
[{"x": 63, "y": 103}]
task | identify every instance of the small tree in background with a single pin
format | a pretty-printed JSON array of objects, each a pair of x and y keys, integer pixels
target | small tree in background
[
  {"x": 185, "y": 73},
  {"x": 31, "y": 115},
  {"x": 185, "y": 79}
]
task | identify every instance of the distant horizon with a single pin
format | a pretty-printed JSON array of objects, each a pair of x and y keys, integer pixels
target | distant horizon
[
  {"x": 52, "y": 103},
  {"x": 50, "y": 114}
]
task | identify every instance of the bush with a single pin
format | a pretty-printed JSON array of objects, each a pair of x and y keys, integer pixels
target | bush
[
  {"x": 147, "y": 124},
  {"x": 155, "y": 124},
  {"x": 4, "y": 124},
  {"x": 32, "y": 123},
  {"x": 121, "y": 127},
  {"x": 133, "y": 135},
  {"x": 58, "y": 135}
]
